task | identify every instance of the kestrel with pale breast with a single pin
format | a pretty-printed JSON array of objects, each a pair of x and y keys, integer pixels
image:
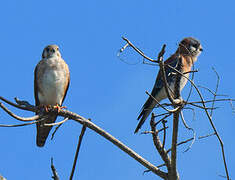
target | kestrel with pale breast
[
  {"x": 51, "y": 82},
  {"x": 182, "y": 60}
]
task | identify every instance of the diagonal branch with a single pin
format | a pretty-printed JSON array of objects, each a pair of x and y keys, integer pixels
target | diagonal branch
[
  {"x": 103, "y": 133},
  {"x": 55, "y": 174},
  {"x": 168, "y": 110},
  {"x": 77, "y": 151},
  {"x": 183, "y": 142},
  {"x": 136, "y": 49}
]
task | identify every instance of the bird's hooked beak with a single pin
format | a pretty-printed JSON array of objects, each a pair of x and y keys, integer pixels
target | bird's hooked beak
[{"x": 200, "y": 48}]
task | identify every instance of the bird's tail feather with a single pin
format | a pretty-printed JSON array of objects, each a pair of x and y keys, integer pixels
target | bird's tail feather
[
  {"x": 43, "y": 131},
  {"x": 146, "y": 110}
]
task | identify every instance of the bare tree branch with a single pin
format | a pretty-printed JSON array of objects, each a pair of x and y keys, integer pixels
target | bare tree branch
[
  {"x": 17, "y": 125},
  {"x": 136, "y": 49},
  {"x": 182, "y": 142},
  {"x": 106, "y": 135},
  {"x": 77, "y": 151},
  {"x": 176, "y": 102},
  {"x": 173, "y": 175},
  {"x": 163, "y": 74},
  {"x": 200, "y": 102},
  {"x": 58, "y": 123},
  {"x": 208, "y": 135},
  {"x": 23, "y": 107},
  {"x": 168, "y": 110},
  {"x": 55, "y": 174},
  {"x": 189, "y": 128},
  {"x": 164, "y": 134},
  {"x": 216, "y": 90},
  {"x": 158, "y": 144},
  {"x": 18, "y": 117},
  {"x": 56, "y": 129}
]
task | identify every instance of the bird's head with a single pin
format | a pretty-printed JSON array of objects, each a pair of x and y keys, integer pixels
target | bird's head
[
  {"x": 51, "y": 51},
  {"x": 190, "y": 46}
]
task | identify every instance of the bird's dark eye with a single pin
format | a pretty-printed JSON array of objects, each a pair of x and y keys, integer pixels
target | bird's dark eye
[
  {"x": 48, "y": 49},
  {"x": 195, "y": 45}
]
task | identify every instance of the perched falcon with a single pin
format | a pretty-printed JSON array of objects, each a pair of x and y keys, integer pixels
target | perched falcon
[
  {"x": 184, "y": 57},
  {"x": 51, "y": 82}
]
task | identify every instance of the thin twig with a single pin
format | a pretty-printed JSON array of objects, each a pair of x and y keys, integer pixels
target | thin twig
[
  {"x": 168, "y": 110},
  {"x": 163, "y": 119},
  {"x": 77, "y": 151},
  {"x": 202, "y": 137},
  {"x": 29, "y": 108},
  {"x": 56, "y": 129},
  {"x": 197, "y": 102},
  {"x": 216, "y": 90},
  {"x": 182, "y": 142},
  {"x": 58, "y": 123},
  {"x": 193, "y": 71},
  {"x": 18, "y": 125},
  {"x": 161, "y": 165},
  {"x": 163, "y": 74},
  {"x": 201, "y": 107},
  {"x": 160, "y": 114},
  {"x": 22, "y": 103},
  {"x": 147, "y": 132},
  {"x": 158, "y": 131},
  {"x": 151, "y": 64},
  {"x": 138, "y": 50},
  {"x": 36, "y": 117},
  {"x": 124, "y": 47},
  {"x": 194, "y": 114},
  {"x": 189, "y": 128},
  {"x": 164, "y": 134},
  {"x": 232, "y": 106},
  {"x": 209, "y": 101},
  {"x": 23, "y": 124},
  {"x": 55, "y": 174}
]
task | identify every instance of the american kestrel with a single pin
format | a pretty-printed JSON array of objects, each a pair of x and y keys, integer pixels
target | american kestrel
[
  {"x": 184, "y": 57},
  {"x": 51, "y": 82}
]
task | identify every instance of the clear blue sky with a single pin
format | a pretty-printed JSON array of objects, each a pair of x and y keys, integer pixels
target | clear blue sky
[{"x": 109, "y": 91}]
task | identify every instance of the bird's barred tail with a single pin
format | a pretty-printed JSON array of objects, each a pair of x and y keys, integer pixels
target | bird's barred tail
[{"x": 43, "y": 131}]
